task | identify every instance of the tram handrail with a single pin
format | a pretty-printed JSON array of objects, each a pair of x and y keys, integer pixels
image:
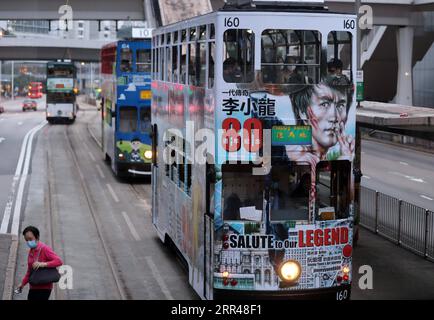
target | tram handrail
[{"x": 401, "y": 222}]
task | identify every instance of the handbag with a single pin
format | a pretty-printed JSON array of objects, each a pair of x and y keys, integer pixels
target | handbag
[{"x": 44, "y": 275}]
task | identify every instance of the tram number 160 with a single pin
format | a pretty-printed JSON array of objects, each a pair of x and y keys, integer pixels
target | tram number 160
[
  {"x": 252, "y": 135},
  {"x": 342, "y": 295}
]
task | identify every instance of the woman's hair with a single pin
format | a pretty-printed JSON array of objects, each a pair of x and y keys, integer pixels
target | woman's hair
[{"x": 33, "y": 230}]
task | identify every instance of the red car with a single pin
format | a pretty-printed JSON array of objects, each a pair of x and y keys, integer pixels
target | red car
[{"x": 30, "y": 105}]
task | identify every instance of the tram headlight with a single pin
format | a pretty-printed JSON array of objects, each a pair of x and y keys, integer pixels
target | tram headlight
[
  {"x": 346, "y": 270},
  {"x": 148, "y": 154},
  {"x": 290, "y": 271}
]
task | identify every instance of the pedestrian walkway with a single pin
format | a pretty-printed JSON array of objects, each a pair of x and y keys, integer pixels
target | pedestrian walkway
[
  {"x": 397, "y": 273},
  {"x": 8, "y": 244}
]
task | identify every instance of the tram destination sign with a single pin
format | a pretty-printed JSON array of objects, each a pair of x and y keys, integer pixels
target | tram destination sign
[{"x": 291, "y": 135}]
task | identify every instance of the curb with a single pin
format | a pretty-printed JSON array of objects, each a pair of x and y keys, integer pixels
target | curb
[{"x": 8, "y": 289}]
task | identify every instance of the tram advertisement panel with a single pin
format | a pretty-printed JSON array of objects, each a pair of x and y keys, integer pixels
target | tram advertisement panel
[
  {"x": 299, "y": 215},
  {"x": 246, "y": 259}
]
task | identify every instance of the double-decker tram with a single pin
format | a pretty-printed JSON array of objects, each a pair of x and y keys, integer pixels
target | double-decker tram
[
  {"x": 253, "y": 119},
  {"x": 61, "y": 92},
  {"x": 35, "y": 90},
  {"x": 126, "y": 106}
]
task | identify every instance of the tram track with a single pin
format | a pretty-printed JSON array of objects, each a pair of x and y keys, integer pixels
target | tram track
[{"x": 121, "y": 290}]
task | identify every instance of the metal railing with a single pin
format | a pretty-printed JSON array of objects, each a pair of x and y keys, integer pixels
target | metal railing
[{"x": 407, "y": 225}]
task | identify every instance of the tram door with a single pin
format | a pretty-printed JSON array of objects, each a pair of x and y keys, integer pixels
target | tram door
[{"x": 209, "y": 231}]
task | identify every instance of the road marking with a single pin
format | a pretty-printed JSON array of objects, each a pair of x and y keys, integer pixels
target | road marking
[
  {"x": 101, "y": 174},
  {"x": 2, "y": 139},
  {"x": 159, "y": 278},
  {"x": 404, "y": 163},
  {"x": 415, "y": 179},
  {"x": 22, "y": 184},
  {"x": 8, "y": 208},
  {"x": 131, "y": 227},
  {"x": 112, "y": 192},
  {"x": 91, "y": 156},
  {"x": 367, "y": 177},
  {"x": 20, "y": 123},
  {"x": 427, "y": 198}
]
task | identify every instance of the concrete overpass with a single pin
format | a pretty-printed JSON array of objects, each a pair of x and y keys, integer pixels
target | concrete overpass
[
  {"x": 411, "y": 121},
  {"x": 49, "y": 48}
]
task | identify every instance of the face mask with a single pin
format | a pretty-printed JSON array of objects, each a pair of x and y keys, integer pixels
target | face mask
[{"x": 32, "y": 244}]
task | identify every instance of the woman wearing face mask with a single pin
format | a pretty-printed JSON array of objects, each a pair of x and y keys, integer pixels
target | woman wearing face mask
[{"x": 40, "y": 256}]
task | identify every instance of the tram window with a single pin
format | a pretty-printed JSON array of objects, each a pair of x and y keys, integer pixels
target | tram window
[
  {"x": 145, "y": 120},
  {"x": 333, "y": 190},
  {"x": 183, "y": 69},
  {"x": 192, "y": 64},
  {"x": 168, "y": 63},
  {"x": 238, "y": 65},
  {"x": 212, "y": 31},
  {"x": 128, "y": 119},
  {"x": 126, "y": 60},
  {"x": 290, "y": 56},
  {"x": 193, "y": 34},
  {"x": 339, "y": 53},
  {"x": 289, "y": 192},
  {"x": 143, "y": 61},
  {"x": 175, "y": 67},
  {"x": 211, "y": 64},
  {"x": 241, "y": 189},
  {"x": 161, "y": 55},
  {"x": 202, "y": 65},
  {"x": 202, "y": 33}
]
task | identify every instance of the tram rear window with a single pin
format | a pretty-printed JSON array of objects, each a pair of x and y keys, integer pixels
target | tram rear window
[
  {"x": 239, "y": 49},
  {"x": 290, "y": 56},
  {"x": 333, "y": 190},
  {"x": 128, "y": 119},
  {"x": 289, "y": 193},
  {"x": 143, "y": 61}
]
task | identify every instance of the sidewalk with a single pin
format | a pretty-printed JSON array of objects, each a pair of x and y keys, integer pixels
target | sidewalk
[{"x": 8, "y": 247}]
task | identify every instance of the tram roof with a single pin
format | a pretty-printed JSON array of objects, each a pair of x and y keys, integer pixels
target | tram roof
[{"x": 231, "y": 9}]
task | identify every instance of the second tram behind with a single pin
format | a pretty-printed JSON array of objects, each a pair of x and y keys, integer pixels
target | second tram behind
[
  {"x": 265, "y": 95},
  {"x": 126, "y": 106}
]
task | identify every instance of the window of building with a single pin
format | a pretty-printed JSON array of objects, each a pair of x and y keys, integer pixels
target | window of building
[
  {"x": 290, "y": 56},
  {"x": 239, "y": 47}
]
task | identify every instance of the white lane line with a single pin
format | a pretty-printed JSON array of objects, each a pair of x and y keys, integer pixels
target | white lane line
[
  {"x": 403, "y": 163},
  {"x": 367, "y": 177},
  {"x": 131, "y": 227},
  {"x": 159, "y": 278},
  {"x": 101, "y": 174},
  {"x": 427, "y": 198},
  {"x": 8, "y": 208},
  {"x": 19, "y": 200},
  {"x": 2, "y": 139},
  {"x": 20, "y": 123},
  {"x": 112, "y": 192},
  {"x": 91, "y": 156},
  {"x": 411, "y": 178}
]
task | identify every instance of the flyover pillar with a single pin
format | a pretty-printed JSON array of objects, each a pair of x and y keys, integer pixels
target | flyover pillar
[{"x": 404, "y": 90}]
